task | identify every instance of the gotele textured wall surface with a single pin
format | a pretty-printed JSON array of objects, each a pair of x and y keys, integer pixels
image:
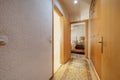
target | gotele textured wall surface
[{"x": 28, "y": 26}]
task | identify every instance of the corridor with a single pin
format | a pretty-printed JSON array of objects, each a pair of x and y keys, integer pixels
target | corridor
[
  {"x": 77, "y": 68},
  {"x": 29, "y": 29}
]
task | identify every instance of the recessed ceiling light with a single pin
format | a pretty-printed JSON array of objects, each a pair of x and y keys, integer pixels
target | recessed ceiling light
[{"x": 75, "y": 1}]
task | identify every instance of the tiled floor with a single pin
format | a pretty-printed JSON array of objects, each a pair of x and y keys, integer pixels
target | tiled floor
[{"x": 75, "y": 69}]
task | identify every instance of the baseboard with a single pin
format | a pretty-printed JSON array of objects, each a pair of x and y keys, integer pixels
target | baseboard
[{"x": 93, "y": 67}]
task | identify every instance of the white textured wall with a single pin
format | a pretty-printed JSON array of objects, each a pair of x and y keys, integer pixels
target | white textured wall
[
  {"x": 77, "y": 31},
  {"x": 28, "y": 26}
]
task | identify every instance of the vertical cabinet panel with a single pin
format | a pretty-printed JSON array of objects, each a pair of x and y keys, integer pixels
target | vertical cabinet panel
[
  {"x": 95, "y": 35},
  {"x": 65, "y": 29}
]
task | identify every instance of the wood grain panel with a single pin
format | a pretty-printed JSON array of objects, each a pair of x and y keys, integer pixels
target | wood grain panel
[
  {"x": 86, "y": 38},
  {"x": 105, "y": 22},
  {"x": 95, "y": 37},
  {"x": 66, "y": 40}
]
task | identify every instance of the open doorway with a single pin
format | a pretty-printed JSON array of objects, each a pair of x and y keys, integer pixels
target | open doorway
[
  {"x": 61, "y": 40},
  {"x": 79, "y": 36}
]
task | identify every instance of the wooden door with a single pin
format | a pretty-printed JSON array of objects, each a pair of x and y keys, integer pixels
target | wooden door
[
  {"x": 96, "y": 37},
  {"x": 105, "y": 17}
]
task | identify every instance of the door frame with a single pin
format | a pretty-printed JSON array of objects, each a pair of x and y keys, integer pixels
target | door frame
[{"x": 86, "y": 35}]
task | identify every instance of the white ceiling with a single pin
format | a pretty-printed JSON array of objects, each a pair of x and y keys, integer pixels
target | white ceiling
[
  {"x": 74, "y": 12},
  {"x": 77, "y": 25}
]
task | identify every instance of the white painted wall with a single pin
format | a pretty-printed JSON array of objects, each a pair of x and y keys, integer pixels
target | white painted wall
[
  {"x": 77, "y": 30},
  {"x": 57, "y": 33},
  {"x": 28, "y": 26}
]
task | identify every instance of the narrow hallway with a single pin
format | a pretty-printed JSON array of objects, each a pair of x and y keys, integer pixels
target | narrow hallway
[
  {"x": 29, "y": 29},
  {"x": 77, "y": 68}
]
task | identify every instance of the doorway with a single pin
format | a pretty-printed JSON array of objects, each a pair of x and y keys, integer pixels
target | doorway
[
  {"x": 79, "y": 38},
  {"x": 61, "y": 40}
]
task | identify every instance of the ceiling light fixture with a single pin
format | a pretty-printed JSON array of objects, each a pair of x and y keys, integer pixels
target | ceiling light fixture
[{"x": 75, "y": 1}]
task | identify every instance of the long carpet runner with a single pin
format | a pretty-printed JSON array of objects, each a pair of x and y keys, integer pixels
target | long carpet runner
[{"x": 75, "y": 69}]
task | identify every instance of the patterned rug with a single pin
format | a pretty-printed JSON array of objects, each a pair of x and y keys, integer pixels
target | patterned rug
[{"x": 76, "y": 69}]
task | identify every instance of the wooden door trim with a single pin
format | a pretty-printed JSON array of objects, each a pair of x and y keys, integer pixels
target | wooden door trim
[{"x": 52, "y": 37}]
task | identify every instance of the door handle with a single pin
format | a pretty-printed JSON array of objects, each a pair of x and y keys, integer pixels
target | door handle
[{"x": 101, "y": 42}]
